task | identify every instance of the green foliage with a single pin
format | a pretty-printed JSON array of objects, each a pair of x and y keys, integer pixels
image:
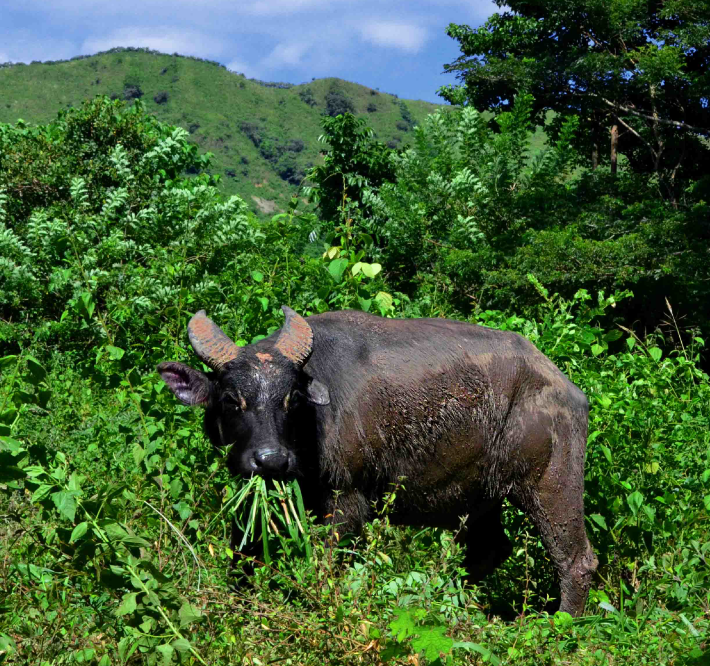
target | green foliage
[
  {"x": 636, "y": 66},
  {"x": 468, "y": 212},
  {"x": 115, "y": 510},
  {"x": 337, "y": 102},
  {"x": 354, "y": 160}
]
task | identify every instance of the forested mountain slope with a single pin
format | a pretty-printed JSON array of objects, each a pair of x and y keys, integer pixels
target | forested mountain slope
[{"x": 263, "y": 136}]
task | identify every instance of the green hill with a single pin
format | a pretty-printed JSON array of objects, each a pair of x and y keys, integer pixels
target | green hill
[{"x": 263, "y": 136}]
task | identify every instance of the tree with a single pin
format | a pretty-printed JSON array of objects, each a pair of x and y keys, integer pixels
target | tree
[
  {"x": 354, "y": 160},
  {"x": 632, "y": 70}
]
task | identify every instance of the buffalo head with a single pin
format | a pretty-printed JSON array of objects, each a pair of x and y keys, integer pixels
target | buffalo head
[{"x": 257, "y": 398}]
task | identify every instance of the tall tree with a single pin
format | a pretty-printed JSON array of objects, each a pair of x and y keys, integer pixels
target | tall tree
[{"x": 635, "y": 71}]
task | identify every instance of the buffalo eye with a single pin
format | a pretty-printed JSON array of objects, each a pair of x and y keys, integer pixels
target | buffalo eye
[
  {"x": 292, "y": 399},
  {"x": 236, "y": 400}
]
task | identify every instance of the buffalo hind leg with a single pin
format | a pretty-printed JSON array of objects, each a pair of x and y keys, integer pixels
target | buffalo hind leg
[{"x": 487, "y": 545}]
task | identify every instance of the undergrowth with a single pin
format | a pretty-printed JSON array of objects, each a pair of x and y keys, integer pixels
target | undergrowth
[{"x": 115, "y": 512}]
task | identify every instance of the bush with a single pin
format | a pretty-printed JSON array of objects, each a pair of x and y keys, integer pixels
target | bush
[
  {"x": 252, "y": 131},
  {"x": 295, "y": 145},
  {"x": 306, "y": 95},
  {"x": 161, "y": 98},
  {"x": 132, "y": 92},
  {"x": 337, "y": 103}
]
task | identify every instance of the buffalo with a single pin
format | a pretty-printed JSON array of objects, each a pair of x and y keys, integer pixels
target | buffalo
[{"x": 352, "y": 402}]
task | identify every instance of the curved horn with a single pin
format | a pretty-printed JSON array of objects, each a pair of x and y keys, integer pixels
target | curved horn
[
  {"x": 295, "y": 341},
  {"x": 210, "y": 343}
]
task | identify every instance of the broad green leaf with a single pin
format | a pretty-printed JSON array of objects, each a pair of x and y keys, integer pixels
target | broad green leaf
[
  {"x": 655, "y": 353},
  {"x": 66, "y": 504},
  {"x": 264, "y": 302},
  {"x": 188, "y": 614},
  {"x": 8, "y": 361},
  {"x": 635, "y": 500},
  {"x": 37, "y": 372},
  {"x": 432, "y": 641},
  {"x": 630, "y": 342},
  {"x": 183, "y": 509},
  {"x": 257, "y": 276},
  {"x": 138, "y": 454},
  {"x": 599, "y": 520},
  {"x": 370, "y": 270},
  {"x": 364, "y": 303},
  {"x": 597, "y": 349},
  {"x": 402, "y": 625},
  {"x": 563, "y": 621},
  {"x": 337, "y": 267},
  {"x": 384, "y": 300},
  {"x": 356, "y": 268},
  {"x": 9, "y": 444},
  {"x": 78, "y": 532},
  {"x": 167, "y": 652},
  {"x": 607, "y": 607},
  {"x": 7, "y": 646},
  {"x": 607, "y": 452},
  {"x": 706, "y": 501},
  {"x": 115, "y": 353},
  {"x": 128, "y": 603},
  {"x": 652, "y": 467},
  {"x": 181, "y": 644}
]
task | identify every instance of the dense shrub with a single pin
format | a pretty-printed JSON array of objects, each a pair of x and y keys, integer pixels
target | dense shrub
[
  {"x": 307, "y": 97},
  {"x": 132, "y": 92},
  {"x": 161, "y": 98},
  {"x": 337, "y": 103},
  {"x": 252, "y": 131},
  {"x": 476, "y": 208},
  {"x": 295, "y": 145}
]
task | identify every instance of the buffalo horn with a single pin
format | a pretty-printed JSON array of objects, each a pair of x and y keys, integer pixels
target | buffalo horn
[
  {"x": 295, "y": 341},
  {"x": 210, "y": 343}
]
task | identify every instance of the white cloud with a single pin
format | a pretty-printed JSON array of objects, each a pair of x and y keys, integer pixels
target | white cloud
[
  {"x": 287, "y": 7},
  {"x": 404, "y": 36},
  {"x": 160, "y": 38},
  {"x": 286, "y": 55}
]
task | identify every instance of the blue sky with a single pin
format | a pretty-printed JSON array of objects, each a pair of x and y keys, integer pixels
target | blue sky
[{"x": 398, "y": 47}]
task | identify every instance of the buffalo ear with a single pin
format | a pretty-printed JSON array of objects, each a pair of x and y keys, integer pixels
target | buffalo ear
[
  {"x": 190, "y": 386},
  {"x": 318, "y": 393}
]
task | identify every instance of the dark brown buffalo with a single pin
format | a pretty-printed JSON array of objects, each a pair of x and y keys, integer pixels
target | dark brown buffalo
[{"x": 350, "y": 401}]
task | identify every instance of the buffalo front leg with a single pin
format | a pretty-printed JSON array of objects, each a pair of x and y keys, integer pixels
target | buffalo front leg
[{"x": 487, "y": 545}]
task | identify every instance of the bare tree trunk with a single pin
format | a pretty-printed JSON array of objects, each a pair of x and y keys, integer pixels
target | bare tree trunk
[
  {"x": 614, "y": 147},
  {"x": 595, "y": 155}
]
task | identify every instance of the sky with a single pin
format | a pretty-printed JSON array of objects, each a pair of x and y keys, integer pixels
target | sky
[{"x": 396, "y": 46}]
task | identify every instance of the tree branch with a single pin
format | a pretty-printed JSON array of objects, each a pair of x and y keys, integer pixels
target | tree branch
[
  {"x": 665, "y": 121},
  {"x": 637, "y": 135}
]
